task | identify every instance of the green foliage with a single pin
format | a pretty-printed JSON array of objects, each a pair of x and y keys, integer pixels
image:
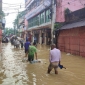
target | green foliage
[
  {"x": 57, "y": 26},
  {"x": 67, "y": 11},
  {"x": 16, "y": 21},
  {"x": 21, "y": 14},
  {"x": 2, "y": 14},
  {"x": 9, "y": 31}
]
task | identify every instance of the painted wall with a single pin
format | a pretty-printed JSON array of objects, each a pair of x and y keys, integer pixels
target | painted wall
[
  {"x": 71, "y": 4},
  {"x": 72, "y": 41},
  {"x": 26, "y": 23}
]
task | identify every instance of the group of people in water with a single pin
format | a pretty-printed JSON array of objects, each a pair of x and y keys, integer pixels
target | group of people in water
[
  {"x": 31, "y": 51},
  {"x": 29, "y": 48},
  {"x": 17, "y": 42}
]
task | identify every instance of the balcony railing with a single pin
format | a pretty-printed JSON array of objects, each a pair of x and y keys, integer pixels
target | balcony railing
[{"x": 75, "y": 16}]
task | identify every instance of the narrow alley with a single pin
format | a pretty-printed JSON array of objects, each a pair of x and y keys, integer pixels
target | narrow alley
[{"x": 15, "y": 72}]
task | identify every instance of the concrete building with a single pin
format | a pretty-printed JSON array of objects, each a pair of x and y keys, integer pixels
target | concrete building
[
  {"x": 21, "y": 24},
  {"x": 37, "y": 21},
  {"x": 71, "y": 37},
  {"x": 72, "y": 5}
]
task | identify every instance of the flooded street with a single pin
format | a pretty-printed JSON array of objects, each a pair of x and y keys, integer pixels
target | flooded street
[{"x": 15, "y": 72}]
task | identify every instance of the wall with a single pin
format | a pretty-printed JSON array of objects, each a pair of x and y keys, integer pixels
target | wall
[
  {"x": 26, "y": 23},
  {"x": 71, "y": 4},
  {"x": 72, "y": 41}
]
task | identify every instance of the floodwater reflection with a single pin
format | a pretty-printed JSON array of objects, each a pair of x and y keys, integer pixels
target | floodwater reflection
[{"x": 15, "y": 72}]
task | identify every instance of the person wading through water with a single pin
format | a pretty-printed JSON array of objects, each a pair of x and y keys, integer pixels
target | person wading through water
[{"x": 54, "y": 59}]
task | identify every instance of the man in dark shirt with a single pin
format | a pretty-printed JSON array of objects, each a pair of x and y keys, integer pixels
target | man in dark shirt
[{"x": 26, "y": 45}]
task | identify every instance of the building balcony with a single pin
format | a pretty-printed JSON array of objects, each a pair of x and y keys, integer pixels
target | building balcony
[
  {"x": 38, "y": 9},
  {"x": 42, "y": 26},
  {"x": 75, "y": 16}
]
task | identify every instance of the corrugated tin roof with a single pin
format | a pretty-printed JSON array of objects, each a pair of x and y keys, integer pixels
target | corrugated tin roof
[{"x": 73, "y": 25}]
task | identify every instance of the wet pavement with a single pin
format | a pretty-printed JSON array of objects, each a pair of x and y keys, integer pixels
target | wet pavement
[{"x": 15, "y": 72}]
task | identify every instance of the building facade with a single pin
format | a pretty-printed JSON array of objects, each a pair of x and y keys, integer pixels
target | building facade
[
  {"x": 21, "y": 29},
  {"x": 72, "y": 5},
  {"x": 37, "y": 21},
  {"x": 71, "y": 37}
]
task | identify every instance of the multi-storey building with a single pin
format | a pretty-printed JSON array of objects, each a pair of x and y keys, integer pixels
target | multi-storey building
[
  {"x": 38, "y": 23},
  {"x": 71, "y": 37},
  {"x": 21, "y": 24},
  {"x": 72, "y": 5}
]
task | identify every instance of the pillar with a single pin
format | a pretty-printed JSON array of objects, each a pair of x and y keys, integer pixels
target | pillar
[
  {"x": 45, "y": 39},
  {"x": 32, "y": 36},
  {"x": 40, "y": 37}
]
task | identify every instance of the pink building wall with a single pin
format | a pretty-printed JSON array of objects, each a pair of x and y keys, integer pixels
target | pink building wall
[
  {"x": 26, "y": 22},
  {"x": 72, "y": 5}
]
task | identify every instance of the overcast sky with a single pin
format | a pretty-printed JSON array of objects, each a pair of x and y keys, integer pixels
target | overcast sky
[{"x": 11, "y": 7}]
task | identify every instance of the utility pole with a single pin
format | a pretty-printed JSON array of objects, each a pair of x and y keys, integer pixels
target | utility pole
[
  {"x": 0, "y": 6},
  {"x": 52, "y": 20},
  {"x": 14, "y": 30},
  {"x": 18, "y": 20}
]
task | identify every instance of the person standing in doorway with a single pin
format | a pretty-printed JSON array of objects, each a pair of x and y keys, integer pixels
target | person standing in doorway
[{"x": 54, "y": 59}]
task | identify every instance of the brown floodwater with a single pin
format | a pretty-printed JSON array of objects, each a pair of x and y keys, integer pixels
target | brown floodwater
[{"x": 15, "y": 72}]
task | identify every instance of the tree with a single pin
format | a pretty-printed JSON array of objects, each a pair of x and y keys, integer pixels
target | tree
[
  {"x": 67, "y": 11},
  {"x": 9, "y": 31},
  {"x": 2, "y": 14},
  {"x": 57, "y": 25},
  {"x": 16, "y": 21}
]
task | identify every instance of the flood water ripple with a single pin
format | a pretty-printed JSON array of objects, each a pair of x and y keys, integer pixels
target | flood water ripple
[{"x": 13, "y": 71}]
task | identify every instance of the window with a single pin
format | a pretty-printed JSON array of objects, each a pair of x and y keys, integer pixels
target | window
[
  {"x": 34, "y": 21},
  {"x": 42, "y": 18},
  {"x": 47, "y": 14}
]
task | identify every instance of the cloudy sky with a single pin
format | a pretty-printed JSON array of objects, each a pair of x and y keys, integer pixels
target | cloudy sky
[{"x": 12, "y": 7}]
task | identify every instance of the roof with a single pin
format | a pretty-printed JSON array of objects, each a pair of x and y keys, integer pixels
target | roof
[{"x": 73, "y": 25}]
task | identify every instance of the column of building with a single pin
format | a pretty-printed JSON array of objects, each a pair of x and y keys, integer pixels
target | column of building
[
  {"x": 40, "y": 37},
  {"x": 32, "y": 36},
  {"x": 45, "y": 38}
]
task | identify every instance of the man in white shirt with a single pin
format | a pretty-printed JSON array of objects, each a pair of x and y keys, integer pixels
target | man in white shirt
[{"x": 54, "y": 59}]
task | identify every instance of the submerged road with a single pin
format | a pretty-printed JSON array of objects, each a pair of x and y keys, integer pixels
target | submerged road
[{"x": 15, "y": 72}]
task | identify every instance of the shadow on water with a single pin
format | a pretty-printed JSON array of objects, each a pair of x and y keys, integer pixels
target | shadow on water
[{"x": 15, "y": 72}]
